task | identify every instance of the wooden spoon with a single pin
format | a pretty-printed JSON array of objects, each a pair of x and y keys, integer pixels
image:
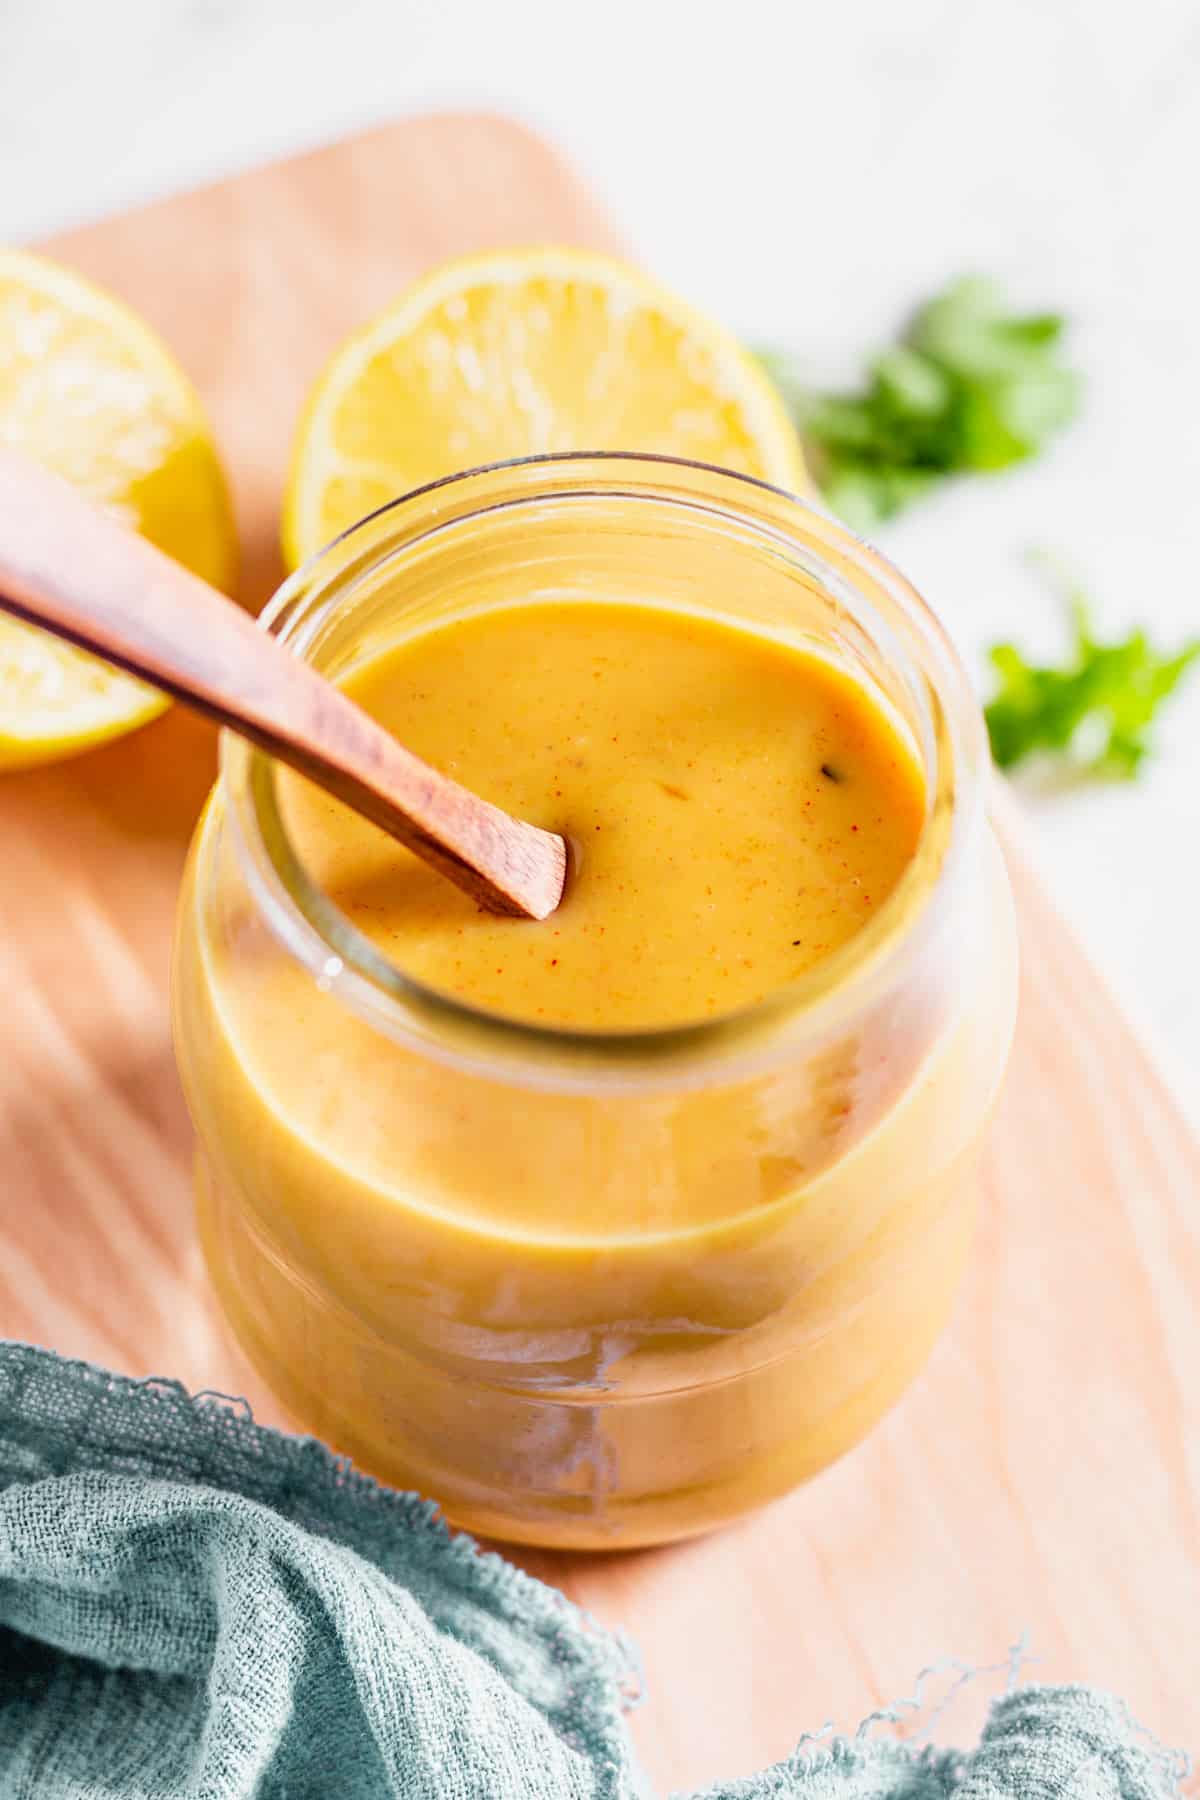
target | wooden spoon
[{"x": 67, "y": 566}]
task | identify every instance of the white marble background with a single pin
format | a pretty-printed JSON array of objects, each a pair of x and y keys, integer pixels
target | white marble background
[{"x": 808, "y": 172}]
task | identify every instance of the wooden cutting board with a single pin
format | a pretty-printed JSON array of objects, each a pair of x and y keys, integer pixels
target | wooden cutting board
[{"x": 1043, "y": 1477}]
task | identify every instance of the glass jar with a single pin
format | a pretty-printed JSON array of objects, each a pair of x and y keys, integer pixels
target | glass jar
[{"x": 386, "y": 1177}]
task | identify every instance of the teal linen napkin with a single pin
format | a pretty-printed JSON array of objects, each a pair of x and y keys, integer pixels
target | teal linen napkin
[{"x": 192, "y": 1605}]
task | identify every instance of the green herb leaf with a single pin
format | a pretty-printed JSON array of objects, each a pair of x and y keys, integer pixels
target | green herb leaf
[
  {"x": 1095, "y": 708},
  {"x": 969, "y": 387}
]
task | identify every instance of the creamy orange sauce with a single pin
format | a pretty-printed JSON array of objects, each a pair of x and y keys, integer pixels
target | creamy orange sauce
[
  {"x": 738, "y": 809},
  {"x": 596, "y": 1311}
]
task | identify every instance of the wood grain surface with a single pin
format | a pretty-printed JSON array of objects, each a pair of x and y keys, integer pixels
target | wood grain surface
[{"x": 1044, "y": 1475}]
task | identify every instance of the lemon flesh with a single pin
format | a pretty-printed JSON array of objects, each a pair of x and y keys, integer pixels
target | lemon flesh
[
  {"x": 88, "y": 390},
  {"x": 517, "y": 354}
]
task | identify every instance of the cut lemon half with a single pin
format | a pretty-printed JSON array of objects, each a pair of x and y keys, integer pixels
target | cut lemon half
[
  {"x": 88, "y": 390},
  {"x": 518, "y": 353}
]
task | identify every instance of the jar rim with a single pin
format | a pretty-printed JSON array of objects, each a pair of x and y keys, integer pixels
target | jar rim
[{"x": 813, "y": 1008}]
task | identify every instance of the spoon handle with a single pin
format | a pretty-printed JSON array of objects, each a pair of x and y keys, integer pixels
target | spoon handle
[{"x": 68, "y": 567}]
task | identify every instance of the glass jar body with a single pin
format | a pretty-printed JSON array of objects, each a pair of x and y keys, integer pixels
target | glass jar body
[{"x": 581, "y": 1294}]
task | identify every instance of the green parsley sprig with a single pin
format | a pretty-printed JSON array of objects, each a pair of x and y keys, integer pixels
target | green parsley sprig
[
  {"x": 969, "y": 387},
  {"x": 1095, "y": 709}
]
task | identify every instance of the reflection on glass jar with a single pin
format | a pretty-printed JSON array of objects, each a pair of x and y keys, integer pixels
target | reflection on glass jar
[{"x": 585, "y": 1289}]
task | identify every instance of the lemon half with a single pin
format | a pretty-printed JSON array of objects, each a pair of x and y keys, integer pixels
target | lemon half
[
  {"x": 518, "y": 353},
  {"x": 87, "y": 389}
]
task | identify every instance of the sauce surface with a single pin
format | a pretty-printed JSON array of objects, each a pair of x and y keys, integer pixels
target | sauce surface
[{"x": 738, "y": 809}]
